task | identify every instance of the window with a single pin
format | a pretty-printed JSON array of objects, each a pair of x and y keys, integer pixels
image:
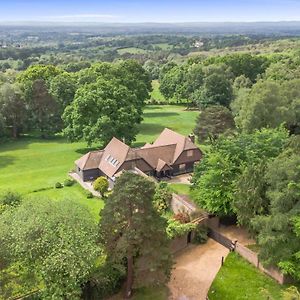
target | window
[
  {"x": 190, "y": 153},
  {"x": 113, "y": 161}
]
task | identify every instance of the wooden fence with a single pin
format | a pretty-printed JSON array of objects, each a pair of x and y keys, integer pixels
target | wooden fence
[{"x": 221, "y": 239}]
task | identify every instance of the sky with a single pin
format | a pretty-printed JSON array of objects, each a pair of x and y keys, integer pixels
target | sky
[{"x": 133, "y": 11}]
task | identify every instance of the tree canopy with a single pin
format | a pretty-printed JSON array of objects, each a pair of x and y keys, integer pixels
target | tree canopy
[
  {"x": 133, "y": 232},
  {"x": 215, "y": 178},
  {"x": 279, "y": 231},
  {"x": 56, "y": 241},
  {"x": 213, "y": 121}
]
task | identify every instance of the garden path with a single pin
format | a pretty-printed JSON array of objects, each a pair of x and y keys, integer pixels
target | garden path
[{"x": 195, "y": 269}]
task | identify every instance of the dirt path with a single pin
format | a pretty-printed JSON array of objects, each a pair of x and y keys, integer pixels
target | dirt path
[
  {"x": 195, "y": 270},
  {"x": 234, "y": 232}
]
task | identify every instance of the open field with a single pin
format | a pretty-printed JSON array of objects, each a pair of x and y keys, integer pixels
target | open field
[
  {"x": 132, "y": 50},
  {"x": 31, "y": 164},
  {"x": 238, "y": 280}
]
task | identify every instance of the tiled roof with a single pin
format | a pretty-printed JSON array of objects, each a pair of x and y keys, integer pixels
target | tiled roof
[
  {"x": 114, "y": 155},
  {"x": 162, "y": 166},
  {"x": 160, "y": 155},
  {"x": 168, "y": 137},
  {"x": 90, "y": 160},
  {"x": 152, "y": 154}
]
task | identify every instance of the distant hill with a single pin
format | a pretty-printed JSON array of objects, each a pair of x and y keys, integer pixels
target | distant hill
[{"x": 288, "y": 28}]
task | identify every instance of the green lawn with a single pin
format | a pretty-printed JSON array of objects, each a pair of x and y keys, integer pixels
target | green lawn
[
  {"x": 156, "y": 94},
  {"x": 157, "y": 117},
  {"x": 31, "y": 163},
  {"x": 239, "y": 280},
  {"x": 180, "y": 188},
  {"x": 76, "y": 193}
]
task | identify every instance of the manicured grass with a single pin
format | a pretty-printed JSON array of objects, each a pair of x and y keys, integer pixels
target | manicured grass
[
  {"x": 180, "y": 188},
  {"x": 239, "y": 280},
  {"x": 30, "y": 163},
  {"x": 76, "y": 193},
  {"x": 156, "y": 94},
  {"x": 183, "y": 189},
  {"x": 157, "y": 117}
]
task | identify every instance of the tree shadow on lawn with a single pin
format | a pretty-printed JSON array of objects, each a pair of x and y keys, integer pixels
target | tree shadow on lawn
[
  {"x": 160, "y": 114},
  {"x": 151, "y": 129},
  {"x": 87, "y": 149},
  {"x": 6, "y": 160},
  {"x": 24, "y": 141}
]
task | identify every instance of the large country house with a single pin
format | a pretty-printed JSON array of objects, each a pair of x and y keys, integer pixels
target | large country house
[{"x": 171, "y": 154}]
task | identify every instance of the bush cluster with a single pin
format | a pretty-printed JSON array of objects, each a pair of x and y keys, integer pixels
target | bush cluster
[
  {"x": 58, "y": 185},
  {"x": 69, "y": 182}
]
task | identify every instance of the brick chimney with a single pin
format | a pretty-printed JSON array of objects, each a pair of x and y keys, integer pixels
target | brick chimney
[{"x": 192, "y": 137}]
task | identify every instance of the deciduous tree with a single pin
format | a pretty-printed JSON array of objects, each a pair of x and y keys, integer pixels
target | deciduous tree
[
  {"x": 55, "y": 241},
  {"x": 213, "y": 121},
  {"x": 13, "y": 108}
]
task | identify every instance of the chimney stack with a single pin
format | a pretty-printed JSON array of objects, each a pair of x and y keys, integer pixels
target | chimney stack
[{"x": 192, "y": 137}]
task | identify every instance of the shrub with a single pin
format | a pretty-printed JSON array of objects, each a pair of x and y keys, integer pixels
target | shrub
[
  {"x": 11, "y": 199},
  {"x": 69, "y": 182},
  {"x": 58, "y": 185},
  {"x": 176, "y": 229},
  {"x": 162, "y": 197},
  {"x": 105, "y": 282},
  {"x": 43, "y": 189},
  {"x": 101, "y": 185},
  {"x": 200, "y": 235},
  {"x": 182, "y": 217},
  {"x": 89, "y": 195}
]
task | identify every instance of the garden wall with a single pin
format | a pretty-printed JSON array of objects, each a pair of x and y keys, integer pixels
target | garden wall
[
  {"x": 246, "y": 253},
  {"x": 180, "y": 203},
  {"x": 253, "y": 258}
]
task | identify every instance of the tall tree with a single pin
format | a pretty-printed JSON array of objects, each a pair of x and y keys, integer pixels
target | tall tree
[
  {"x": 269, "y": 104},
  {"x": 100, "y": 111},
  {"x": 213, "y": 121},
  {"x": 217, "y": 89},
  {"x": 131, "y": 229},
  {"x": 279, "y": 232},
  {"x": 44, "y": 109},
  {"x": 45, "y": 112},
  {"x": 12, "y": 107},
  {"x": 215, "y": 179},
  {"x": 250, "y": 199},
  {"x": 55, "y": 241}
]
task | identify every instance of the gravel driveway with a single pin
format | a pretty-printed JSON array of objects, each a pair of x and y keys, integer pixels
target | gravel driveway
[{"x": 195, "y": 270}]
